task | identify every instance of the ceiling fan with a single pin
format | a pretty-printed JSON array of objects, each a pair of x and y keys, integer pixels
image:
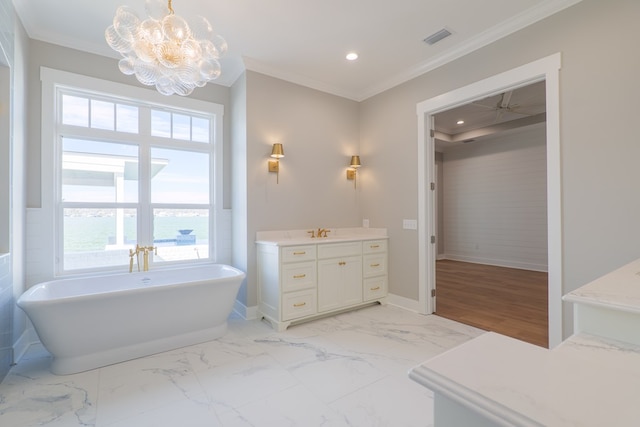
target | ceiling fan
[{"x": 504, "y": 105}]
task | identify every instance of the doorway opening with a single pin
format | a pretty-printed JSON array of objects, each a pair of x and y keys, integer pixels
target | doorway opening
[
  {"x": 547, "y": 70},
  {"x": 491, "y": 211}
]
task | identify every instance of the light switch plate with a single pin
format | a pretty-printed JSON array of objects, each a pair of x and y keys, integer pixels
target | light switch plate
[
  {"x": 365, "y": 223},
  {"x": 410, "y": 224}
]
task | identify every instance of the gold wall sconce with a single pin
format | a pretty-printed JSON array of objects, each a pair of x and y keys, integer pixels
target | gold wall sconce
[
  {"x": 352, "y": 172},
  {"x": 277, "y": 152}
]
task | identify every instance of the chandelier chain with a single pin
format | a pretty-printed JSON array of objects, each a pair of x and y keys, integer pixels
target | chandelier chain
[{"x": 170, "y": 8}]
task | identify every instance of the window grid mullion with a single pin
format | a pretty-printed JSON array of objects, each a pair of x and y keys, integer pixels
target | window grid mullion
[
  {"x": 144, "y": 142},
  {"x": 145, "y": 216}
]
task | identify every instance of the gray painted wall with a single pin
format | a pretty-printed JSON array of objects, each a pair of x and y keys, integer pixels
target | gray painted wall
[
  {"x": 13, "y": 48},
  {"x": 239, "y": 249},
  {"x": 319, "y": 133},
  {"x": 599, "y": 92},
  {"x": 598, "y": 95},
  {"x": 6, "y": 212}
]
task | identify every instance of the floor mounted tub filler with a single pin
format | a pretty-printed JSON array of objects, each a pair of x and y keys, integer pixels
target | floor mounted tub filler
[{"x": 86, "y": 323}]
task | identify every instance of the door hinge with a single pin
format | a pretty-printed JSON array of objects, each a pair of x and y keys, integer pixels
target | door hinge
[
  {"x": 432, "y": 132},
  {"x": 433, "y": 239},
  {"x": 433, "y": 186},
  {"x": 433, "y": 293}
]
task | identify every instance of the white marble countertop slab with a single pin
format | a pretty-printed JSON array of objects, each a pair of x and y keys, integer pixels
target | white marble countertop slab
[
  {"x": 619, "y": 289},
  {"x": 585, "y": 382},
  {"x": 335, "y": 235}
]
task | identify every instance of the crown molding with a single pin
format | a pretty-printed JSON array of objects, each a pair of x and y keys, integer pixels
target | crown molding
[
  {"x": 497, "y": 32},
  {"x": 536, "y": 13},
  {"x": 252, "y": 64}
]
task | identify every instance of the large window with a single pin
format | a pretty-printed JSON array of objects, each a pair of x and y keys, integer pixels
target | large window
[{"x": 131, "y": 172}]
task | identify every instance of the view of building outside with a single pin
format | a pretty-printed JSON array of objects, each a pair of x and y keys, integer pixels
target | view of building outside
[{"x": 115, "y": 189}]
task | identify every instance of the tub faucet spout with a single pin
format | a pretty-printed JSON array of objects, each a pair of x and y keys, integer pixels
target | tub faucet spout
[
  {"x": 145, "y": 252},
  {"x": 133, "y": 253}
]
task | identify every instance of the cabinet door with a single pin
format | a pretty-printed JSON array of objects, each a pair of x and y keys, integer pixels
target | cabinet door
[
  {"x": 329, "y": 279},
  {"x": 352, "y": 281},
  {"x": 339, "y": 282}
]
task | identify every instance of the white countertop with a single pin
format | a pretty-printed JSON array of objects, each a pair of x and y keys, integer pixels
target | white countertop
[
  {"x": 586, "y": 381},
  {"x": 619, "y": 289},
  {"x": 303, "y": 237}
]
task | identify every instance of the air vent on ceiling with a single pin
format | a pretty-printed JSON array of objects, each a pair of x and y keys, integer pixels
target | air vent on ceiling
[
  {"x": 466, "y": 141},
  {"x": 437, "y": 36}
]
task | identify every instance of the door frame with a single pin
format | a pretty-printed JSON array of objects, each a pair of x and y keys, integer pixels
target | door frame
[{"x": 547, "y": 69}]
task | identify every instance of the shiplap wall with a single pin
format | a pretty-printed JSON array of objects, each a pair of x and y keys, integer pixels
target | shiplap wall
[{"x": 495, "y": 202}]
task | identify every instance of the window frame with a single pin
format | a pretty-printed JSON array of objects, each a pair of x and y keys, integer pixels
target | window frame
[{"x": 54, "y": 84}]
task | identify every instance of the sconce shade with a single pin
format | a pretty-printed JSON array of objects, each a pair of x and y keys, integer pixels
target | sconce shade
[
  {"x": 277, "y": 151},
  {"x": 355, "y": 161}
]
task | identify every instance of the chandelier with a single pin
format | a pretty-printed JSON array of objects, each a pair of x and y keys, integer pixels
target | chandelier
[{"x": 163, "y": 50}]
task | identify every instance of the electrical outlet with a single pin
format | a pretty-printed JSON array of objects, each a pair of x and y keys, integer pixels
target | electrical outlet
[{"x": 365, "y": 223}]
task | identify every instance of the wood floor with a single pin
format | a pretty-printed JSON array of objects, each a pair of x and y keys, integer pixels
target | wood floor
[{"x": 508, "y": 301}]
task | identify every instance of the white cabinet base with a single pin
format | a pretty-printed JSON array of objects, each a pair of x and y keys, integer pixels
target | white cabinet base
[
  {"x": 306, "y": 279},
  {"x": 282, "y": 326}
]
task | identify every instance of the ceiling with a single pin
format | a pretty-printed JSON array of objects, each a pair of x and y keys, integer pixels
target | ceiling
[
  {"x": 486, "y": 117},
  {"x": 306, "y": 42}
]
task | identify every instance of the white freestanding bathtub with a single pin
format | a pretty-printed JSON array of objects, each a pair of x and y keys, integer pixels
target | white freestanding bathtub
[{"x": 86, "y": 323}]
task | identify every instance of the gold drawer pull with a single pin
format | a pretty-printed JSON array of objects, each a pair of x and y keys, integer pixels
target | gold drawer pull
[
  {"x": 342, "y": 263},
  {"x": 375, "y": 265},
  {"x": 377, "y": 288},
  {"x": 300, "y": 276},
  {"x": 300, "y": 304},
  {"x": 300, "y": 253},
  {"x": 374, "y": 246}
]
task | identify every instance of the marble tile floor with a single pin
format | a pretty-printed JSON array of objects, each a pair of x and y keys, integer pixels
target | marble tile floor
[{"x": 346, "y": 370}]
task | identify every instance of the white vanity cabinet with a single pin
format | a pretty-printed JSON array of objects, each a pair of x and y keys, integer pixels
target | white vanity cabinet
[
  {"x": 339, "y": 275},
  {"x": 302, "y": 278},
  {"x": 287, "y": 281},
  {"x": 375, "y": 273}
]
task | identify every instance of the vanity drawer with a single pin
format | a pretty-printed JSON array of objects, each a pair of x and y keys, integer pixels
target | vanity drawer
[
  {"x": 338, "y": 250},
  {"x": 374, "y": 265},
  {"x": 374, "y": 288},
  {"x": 298, "y": 276},
  {"x": 299, "y": 304},
  {"x": 298, "y": 253},
  {"x": 374, "y": 246}
]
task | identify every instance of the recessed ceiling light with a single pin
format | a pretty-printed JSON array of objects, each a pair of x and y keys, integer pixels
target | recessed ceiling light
[
  {"x": 352, "y": 56},
  {"x": 460, "y": 122}
]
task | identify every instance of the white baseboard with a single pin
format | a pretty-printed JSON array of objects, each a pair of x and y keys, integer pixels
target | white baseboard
[
  {"x": 406, "y": 303},
  {"x": 248, "y": 313},
  {"x": 497, "y": 262},
  {"x": 22, "y": 344}
]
